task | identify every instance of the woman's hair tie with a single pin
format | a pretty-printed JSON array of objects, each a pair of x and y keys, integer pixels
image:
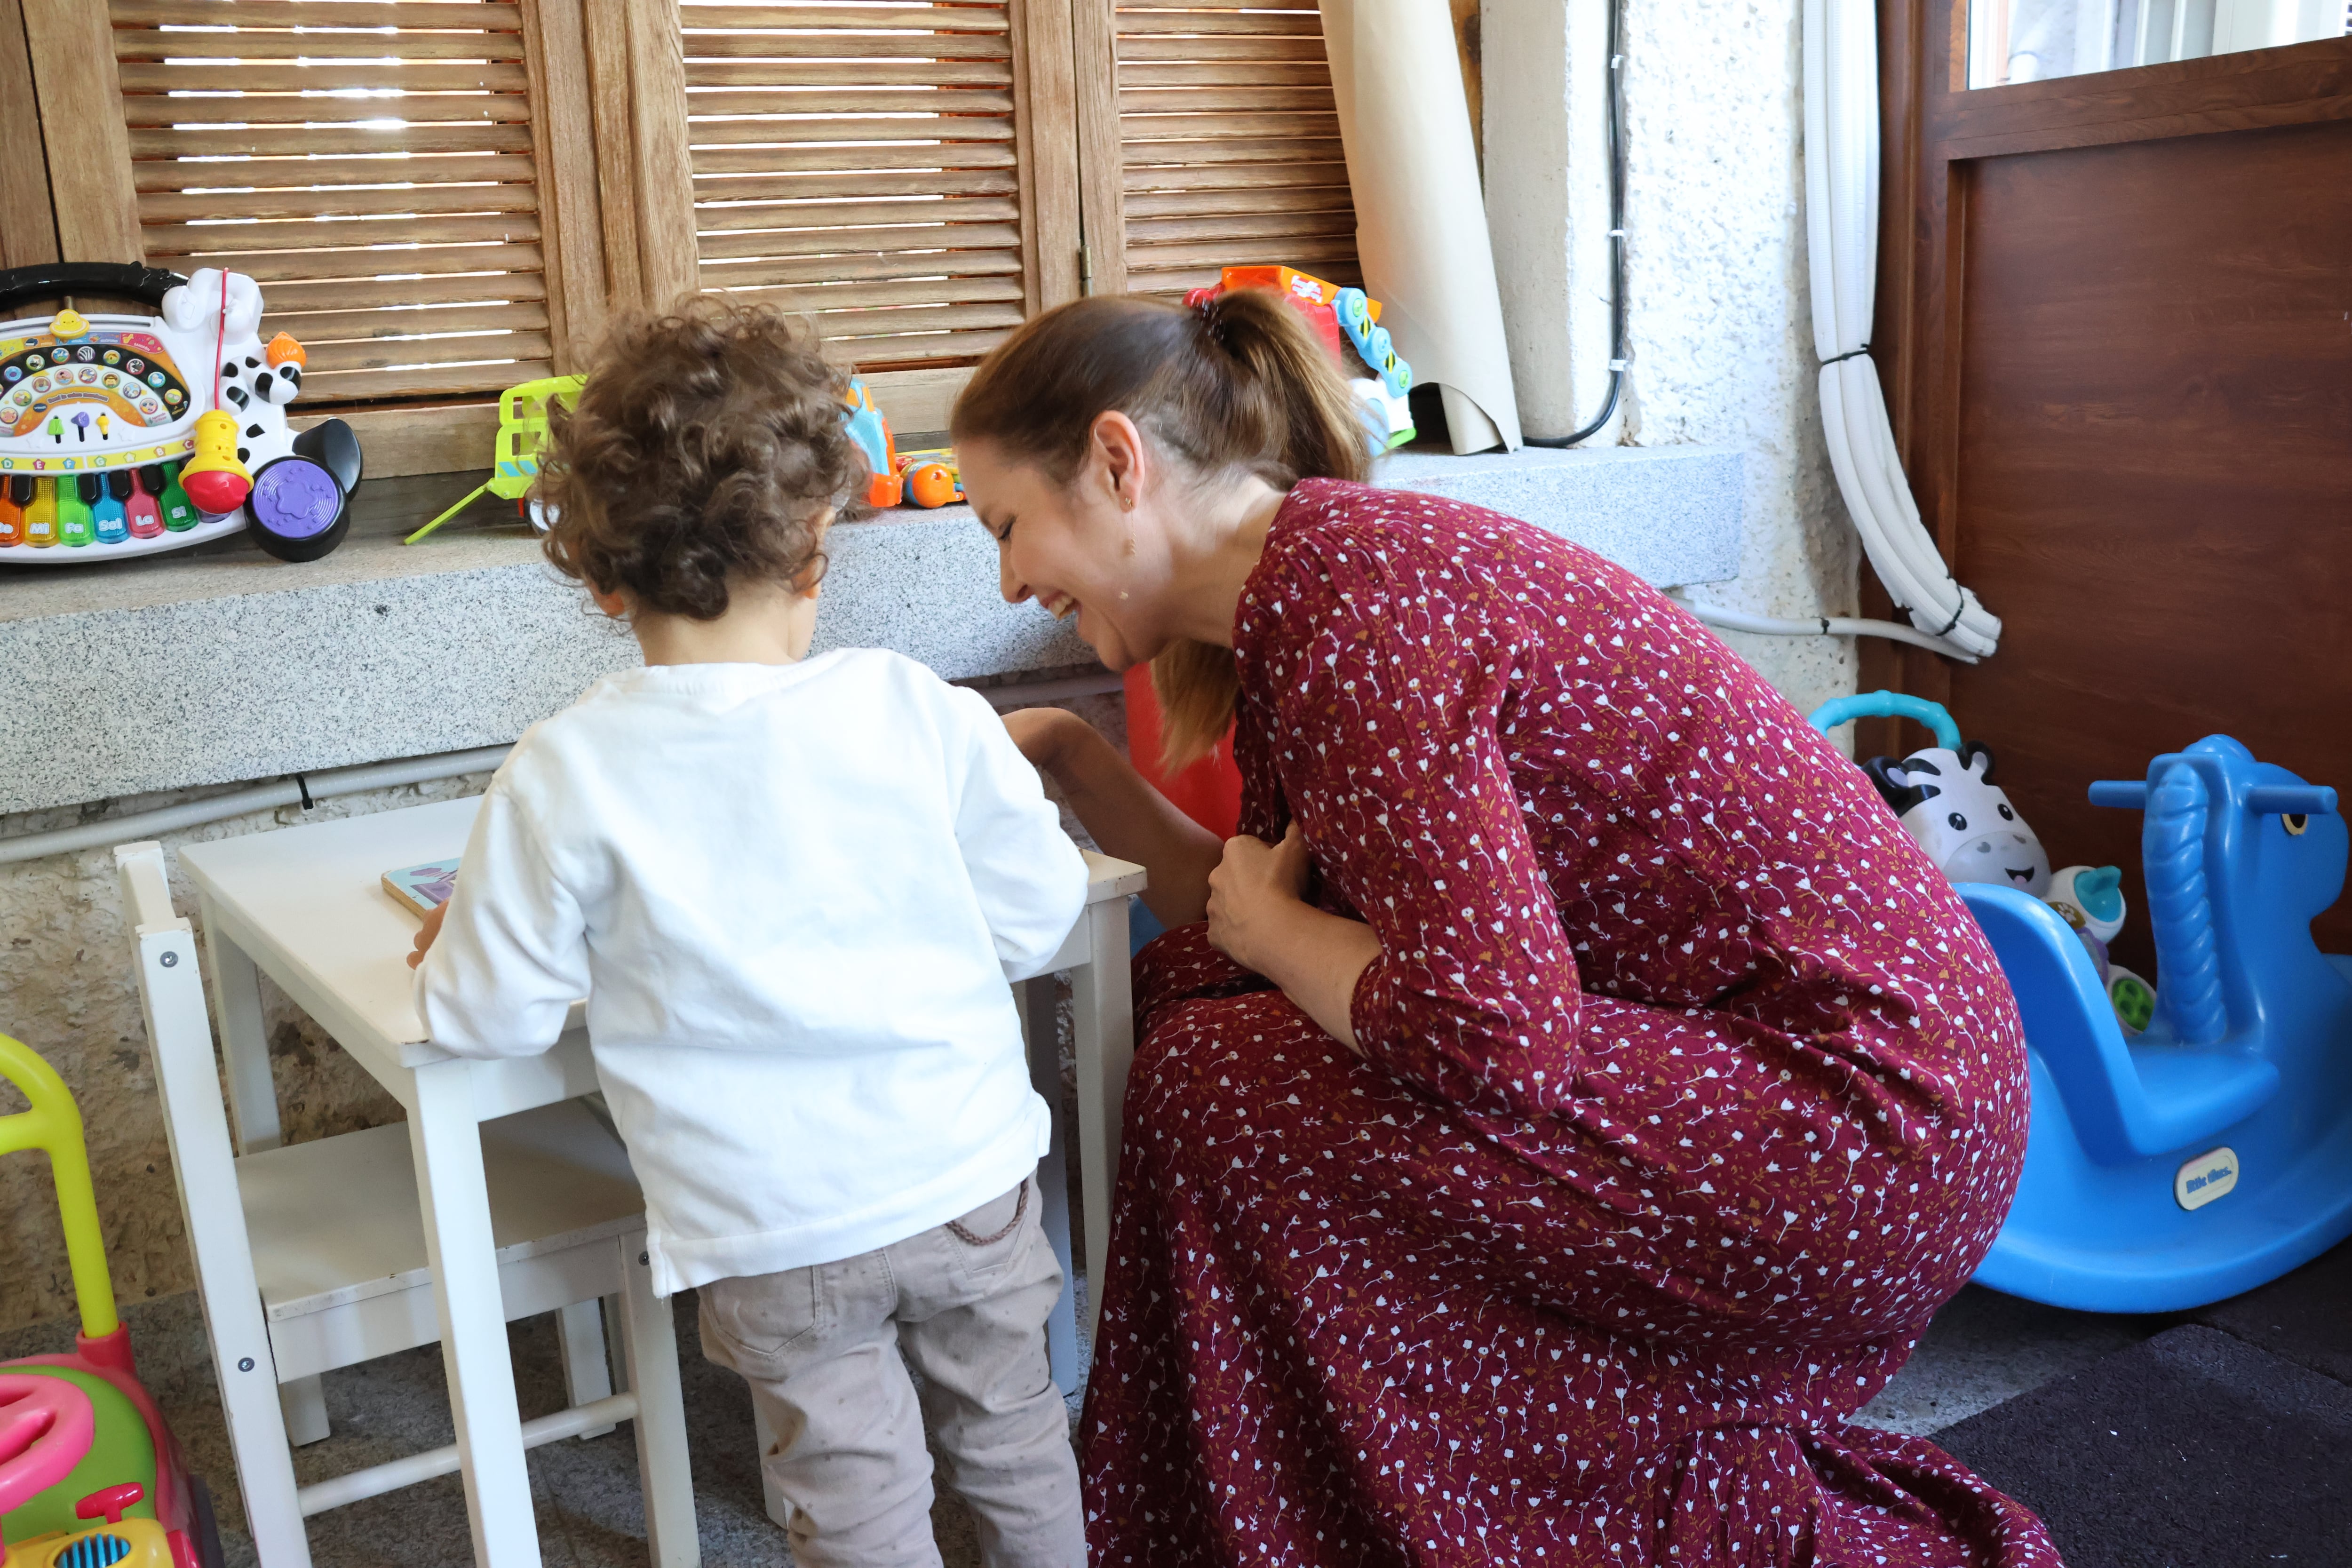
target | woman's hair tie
[{"x": 1214, "y": 325}]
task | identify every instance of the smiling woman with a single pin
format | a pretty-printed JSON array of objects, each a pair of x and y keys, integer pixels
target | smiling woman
[{"x": 1579, "y": 1094}]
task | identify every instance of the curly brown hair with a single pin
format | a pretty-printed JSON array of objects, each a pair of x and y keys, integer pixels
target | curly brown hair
[{"x": 706, "y": 448}]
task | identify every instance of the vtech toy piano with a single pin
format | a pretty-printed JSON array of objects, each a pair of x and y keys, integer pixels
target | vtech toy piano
[{"x": 126, "y": 435}]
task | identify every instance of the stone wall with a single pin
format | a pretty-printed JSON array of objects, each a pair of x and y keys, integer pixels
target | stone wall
[{"x": 1718, "y": 298}]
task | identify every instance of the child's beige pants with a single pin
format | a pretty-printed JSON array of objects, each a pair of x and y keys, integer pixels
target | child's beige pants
[{"x": 820, "y": 1346}]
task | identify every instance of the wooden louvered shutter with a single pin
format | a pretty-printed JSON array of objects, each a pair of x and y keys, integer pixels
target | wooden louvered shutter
[
  {"x": 1228, "y": 145},
  {"x": 370, "y": 162},
  {"x": 905, "y": 174}
]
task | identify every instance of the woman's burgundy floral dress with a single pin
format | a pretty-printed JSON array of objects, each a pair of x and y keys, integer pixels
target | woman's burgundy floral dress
[{"x": 1693, "y": 1092}]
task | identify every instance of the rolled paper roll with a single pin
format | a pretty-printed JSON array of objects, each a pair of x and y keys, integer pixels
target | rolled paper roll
[{"x": 214, "y": 479}]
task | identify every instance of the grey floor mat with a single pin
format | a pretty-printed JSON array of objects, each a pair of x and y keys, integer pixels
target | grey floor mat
[
  {"x": 2305, "y": 1316},
  {"x": 2193, "y": 1450}
]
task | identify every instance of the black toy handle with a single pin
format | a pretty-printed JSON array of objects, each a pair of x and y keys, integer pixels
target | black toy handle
[{"x": 47, "y": 281}]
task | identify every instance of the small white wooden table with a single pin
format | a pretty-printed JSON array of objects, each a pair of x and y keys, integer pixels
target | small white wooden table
[{"x": 305, "y": 906}]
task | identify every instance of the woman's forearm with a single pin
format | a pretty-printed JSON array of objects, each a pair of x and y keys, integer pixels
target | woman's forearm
[
  {"x": 1132, "y": 821},
  {"x": 1317, "y": 958}
]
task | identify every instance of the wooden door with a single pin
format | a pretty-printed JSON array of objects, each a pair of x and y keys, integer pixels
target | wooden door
[{"x": 2115, "y": 324}]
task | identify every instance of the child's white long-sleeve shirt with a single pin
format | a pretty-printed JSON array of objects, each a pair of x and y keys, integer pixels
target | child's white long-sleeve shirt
[{"x": 793, "y": 896}]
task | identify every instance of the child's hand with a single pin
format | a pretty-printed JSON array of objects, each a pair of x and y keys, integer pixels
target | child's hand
[{"x": 424, "y": 938}]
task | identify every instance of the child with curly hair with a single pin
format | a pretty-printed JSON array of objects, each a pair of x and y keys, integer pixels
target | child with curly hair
[{"x": 792, "y": 889}]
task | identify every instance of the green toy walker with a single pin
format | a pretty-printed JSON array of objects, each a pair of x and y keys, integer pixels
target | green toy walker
[
  {"x": 522, "y": 431},
  {"x": 89, "y": 1476}
]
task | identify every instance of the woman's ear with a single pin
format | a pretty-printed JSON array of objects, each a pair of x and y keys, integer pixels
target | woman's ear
[
  {"x": 1124, "y": 459},
  {"x": 614, "y": 605}
]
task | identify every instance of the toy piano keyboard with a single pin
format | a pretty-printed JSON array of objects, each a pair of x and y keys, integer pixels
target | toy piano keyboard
[{"x": 105, "y": 448}]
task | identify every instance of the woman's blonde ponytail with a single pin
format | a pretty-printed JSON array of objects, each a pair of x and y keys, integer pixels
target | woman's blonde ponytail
[{"x": 1321, "y": 436}]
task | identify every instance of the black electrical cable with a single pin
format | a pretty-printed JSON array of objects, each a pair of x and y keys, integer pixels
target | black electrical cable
[{"x": 1619, "y": 353}]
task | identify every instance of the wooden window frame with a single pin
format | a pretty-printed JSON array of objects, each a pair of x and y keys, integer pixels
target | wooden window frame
[
  {"x": 1934, "y": 126},
  {"x": 661, "y": 219},
  {"x": 614, "y": 182}
]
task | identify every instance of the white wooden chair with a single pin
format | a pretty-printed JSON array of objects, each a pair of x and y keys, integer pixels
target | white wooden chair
[{"x": 315, "y": 1255}]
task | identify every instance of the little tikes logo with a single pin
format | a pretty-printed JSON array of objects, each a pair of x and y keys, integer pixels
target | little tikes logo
[{"x": 2210, "y": 1175}]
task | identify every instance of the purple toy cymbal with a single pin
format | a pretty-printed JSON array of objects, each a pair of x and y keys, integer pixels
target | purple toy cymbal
[{"x": 298, "y": 510}]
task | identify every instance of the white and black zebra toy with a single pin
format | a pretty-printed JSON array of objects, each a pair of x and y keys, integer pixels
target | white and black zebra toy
[{"x": 1949, "y": 803}]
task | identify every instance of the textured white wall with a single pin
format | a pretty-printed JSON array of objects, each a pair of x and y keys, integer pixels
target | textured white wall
[{"x": 1721, "y": 321}]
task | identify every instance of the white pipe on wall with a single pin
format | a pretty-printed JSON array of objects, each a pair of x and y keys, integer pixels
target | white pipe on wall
[
  {"x": 1812, "y": 626},
  {"x": 257, "y": 797},
  {"x": 335, "y": 782},
  {"x": 1842, "y": 171}
]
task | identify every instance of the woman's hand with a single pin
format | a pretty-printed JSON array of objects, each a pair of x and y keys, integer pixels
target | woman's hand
[
  {"x": 1259, "y": 918},
  {"x": 1253, "y": 894},
  {"x": 424, "y": 938}
]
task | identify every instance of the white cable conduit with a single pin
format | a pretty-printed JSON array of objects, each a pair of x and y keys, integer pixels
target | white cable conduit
[
  {"x": 1815, "y": 626},
  {"x": 1842, "y": 233},
  {"x": 336, "y": 782}
]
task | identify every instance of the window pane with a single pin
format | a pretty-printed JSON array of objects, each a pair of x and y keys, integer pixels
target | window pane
[{"x": 2032, "y": 40}]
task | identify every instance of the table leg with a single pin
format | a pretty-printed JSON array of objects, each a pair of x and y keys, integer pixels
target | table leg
[
  {"x": 1103, "y": 1024},
  {"x": 580, "y": 1341},
  {"x": 662, "y": 1471},
  {"x": 448, "y": 1143},
  {"x": 1037, "y": 999},
  {"x": 304, "y": 1404},
  {"x": 245, "y": 1043}
]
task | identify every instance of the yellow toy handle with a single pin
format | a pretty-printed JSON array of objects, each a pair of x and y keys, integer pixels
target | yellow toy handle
[{"x": 54, "y": 1126}]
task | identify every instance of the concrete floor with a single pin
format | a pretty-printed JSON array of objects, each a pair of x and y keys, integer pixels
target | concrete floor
[{"x": 1983, "y": 1348}]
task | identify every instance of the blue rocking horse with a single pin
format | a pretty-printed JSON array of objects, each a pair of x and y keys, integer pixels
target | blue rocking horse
[{"x": 2212, "y": 1152}]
